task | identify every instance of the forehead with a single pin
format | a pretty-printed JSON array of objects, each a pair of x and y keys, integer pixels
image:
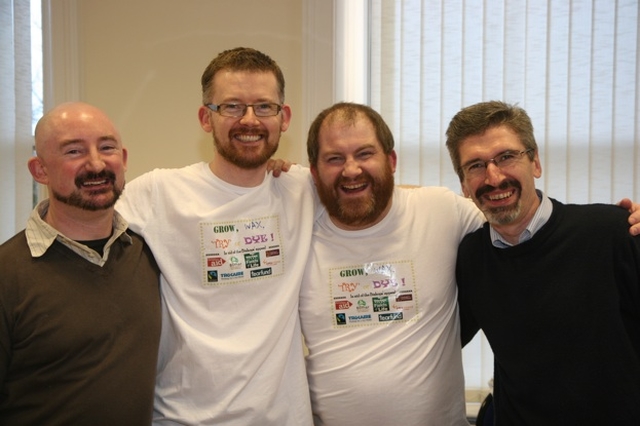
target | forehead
[
  {"x": 337, "y": 132},
  {"x": 245, "y": 85},
  {"x": 494, "y": 139},
  {"x": 80, "y": 128}
]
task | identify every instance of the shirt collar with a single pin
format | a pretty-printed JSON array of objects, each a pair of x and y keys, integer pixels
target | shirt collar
[
  {"x": 541, "y": 216},
  {"x": 40, "y": 235}
]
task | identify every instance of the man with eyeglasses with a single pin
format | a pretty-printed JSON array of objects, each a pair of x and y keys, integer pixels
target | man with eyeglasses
[
  {"x": 232, "y": 243},
  {"x": 555, "y": 287}
]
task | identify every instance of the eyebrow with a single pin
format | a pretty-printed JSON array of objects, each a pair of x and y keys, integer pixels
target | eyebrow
[
  {"x": 100, "y": 139},
  {"x": 357, "y": 151},
  {"x": 478, "y": 159},
  {"x": 258, "y": 101}
]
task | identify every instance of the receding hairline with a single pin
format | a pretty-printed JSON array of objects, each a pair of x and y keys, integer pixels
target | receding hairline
[{"x": 51, "y": 118}]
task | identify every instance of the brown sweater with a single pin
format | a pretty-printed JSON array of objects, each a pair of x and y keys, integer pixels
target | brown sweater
[{"x": 78, "y": 342}]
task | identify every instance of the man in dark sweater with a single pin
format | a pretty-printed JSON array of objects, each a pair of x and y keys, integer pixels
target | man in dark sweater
[
  {"x": 554, "y": 287},
  {"x": 79, "y": 292}
]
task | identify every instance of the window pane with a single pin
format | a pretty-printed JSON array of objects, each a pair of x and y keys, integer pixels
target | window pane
[
  {"x": 36, "y": 60},
  {"x": 572, "y": 65}
]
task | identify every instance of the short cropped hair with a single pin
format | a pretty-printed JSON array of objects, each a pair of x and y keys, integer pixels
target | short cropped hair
[
  {"x": 240, "y": 59},
  {"x": 478, "y": 118}
]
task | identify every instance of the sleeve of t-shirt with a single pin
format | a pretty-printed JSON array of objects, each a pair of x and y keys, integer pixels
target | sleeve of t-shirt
[{"x": 137, "y": 201}]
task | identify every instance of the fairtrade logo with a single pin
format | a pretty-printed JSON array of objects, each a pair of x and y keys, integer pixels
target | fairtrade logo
[{"x": 341, "y": 319}]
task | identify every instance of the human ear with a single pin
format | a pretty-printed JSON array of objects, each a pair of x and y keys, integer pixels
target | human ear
[
  {"x": 286, "y": 117},
  {"x": 205, "y": 119},
  {"x": 38, "y": 170}
]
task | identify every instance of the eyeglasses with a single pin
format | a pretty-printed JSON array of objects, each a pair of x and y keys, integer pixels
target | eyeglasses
[
  {"x": 265, "y": 109},
  {"x": 502, "y": 161}
]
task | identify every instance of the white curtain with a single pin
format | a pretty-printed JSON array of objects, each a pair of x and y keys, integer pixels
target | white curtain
[
  {"x": 16, "y": 141},
  {"x": 573, "y": 65}
]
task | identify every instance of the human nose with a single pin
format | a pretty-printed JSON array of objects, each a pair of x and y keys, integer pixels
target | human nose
[
  {"x": 492, "y": 174},
  {"x": 351, "y": 168},
  {"x": 95, "y": 161},
  {"x": 249, "y": 117}
]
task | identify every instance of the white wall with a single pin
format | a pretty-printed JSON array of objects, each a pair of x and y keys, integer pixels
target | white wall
[{"x": 141, "y": 61}]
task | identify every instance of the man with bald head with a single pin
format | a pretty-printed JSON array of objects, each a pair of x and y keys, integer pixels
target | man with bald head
[{"x": 79, "y": 292}]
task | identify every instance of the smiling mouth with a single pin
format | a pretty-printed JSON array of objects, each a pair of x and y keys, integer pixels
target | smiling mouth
[
  {"x": 502, "y": 196},
  {"x": 248, "y": 138},
  {"x": 95, "y": 183},
  {"x": 97, "y": 186},
  {"x": 354, "y": 187},
  {"x": 92, "y": 181}
]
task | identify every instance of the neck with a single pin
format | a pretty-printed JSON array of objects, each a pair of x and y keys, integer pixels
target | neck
[
  {"x": 78, "y": 224},
  {"x": 238, "y": 176}
]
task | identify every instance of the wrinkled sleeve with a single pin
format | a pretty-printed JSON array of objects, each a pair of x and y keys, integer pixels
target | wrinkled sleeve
[{"x": 137, "y": 202}]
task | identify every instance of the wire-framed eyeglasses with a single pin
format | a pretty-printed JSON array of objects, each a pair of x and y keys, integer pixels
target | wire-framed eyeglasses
[
  {"x": 263, "y": 109},
  {"x": 503, "y": 160}
]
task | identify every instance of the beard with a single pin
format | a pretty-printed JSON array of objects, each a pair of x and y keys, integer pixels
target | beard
[
  {"x": 503, "y": 215},
  {"x": 245, "y": 157},
  {"x": 77, "y": 199},
  {"x": 360, "y": 211}
]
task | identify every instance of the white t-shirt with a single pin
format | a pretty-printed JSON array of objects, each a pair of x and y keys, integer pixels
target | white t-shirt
[
  {"x": 379, "y": 315},
  {"x": 232, "y": 261}
]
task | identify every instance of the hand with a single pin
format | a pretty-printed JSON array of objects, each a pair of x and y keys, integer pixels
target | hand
[
  {"x": 278, "y": 166},
  {"x": 634, "y": 218}
]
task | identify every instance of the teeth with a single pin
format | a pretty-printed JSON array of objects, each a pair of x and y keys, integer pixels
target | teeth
[
  {"x": 102, "y": 182},
  {"x": 500, "y": 196},
  {"x": 249, "y": 138},
  {"x": 352, "y": 187}
]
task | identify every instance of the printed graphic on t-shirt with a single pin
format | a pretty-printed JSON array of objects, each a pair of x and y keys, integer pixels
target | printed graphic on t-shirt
[
  {"x": 242, "y": 250},
  {"x": 373, "y": 294}
]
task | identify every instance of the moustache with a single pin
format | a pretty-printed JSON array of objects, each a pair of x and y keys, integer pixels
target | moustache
[{"x": 249, "y": 130}]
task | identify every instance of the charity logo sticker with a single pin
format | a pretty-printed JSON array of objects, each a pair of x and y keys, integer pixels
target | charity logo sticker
[
  {"x": 241, "y": 250},
  {"x": 377, "y": 293}
]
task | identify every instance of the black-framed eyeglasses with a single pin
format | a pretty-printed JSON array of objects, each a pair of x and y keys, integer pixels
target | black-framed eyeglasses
[
  {"x": 264, "y": 109},
  {"x": 503, "y": 160}
]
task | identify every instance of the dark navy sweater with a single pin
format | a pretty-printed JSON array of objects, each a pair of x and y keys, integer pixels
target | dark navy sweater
[{"x": 562, "y": 315}]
